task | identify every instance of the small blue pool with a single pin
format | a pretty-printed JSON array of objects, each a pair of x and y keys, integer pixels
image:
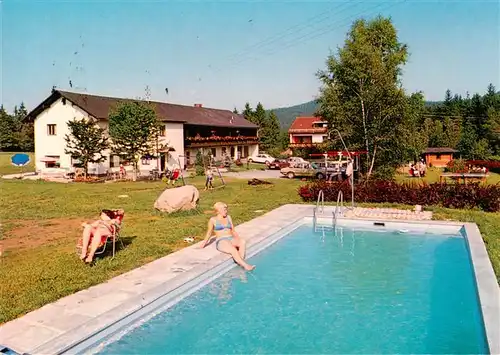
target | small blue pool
[{"x": 356, "y": 291}]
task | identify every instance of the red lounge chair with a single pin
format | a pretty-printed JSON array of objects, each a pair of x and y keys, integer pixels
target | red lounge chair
[{"x": 110, "y": 239}]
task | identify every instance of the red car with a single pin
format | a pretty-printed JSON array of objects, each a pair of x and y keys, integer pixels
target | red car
[{"x": 278, "y": 164}]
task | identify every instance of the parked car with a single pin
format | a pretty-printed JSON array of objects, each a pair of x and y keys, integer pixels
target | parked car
[
  {"x": 262, "y": 158},
  {"x": 295, "y": 160},
  {"x": 302, "y": 170},
  {"x": 278, "y": 164}
]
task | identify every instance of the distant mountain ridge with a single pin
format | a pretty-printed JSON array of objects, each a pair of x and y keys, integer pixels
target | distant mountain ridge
[{"x": 286, "y": 115}]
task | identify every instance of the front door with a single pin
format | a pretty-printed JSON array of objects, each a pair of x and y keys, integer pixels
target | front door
[{"x": 162, "y": 161}]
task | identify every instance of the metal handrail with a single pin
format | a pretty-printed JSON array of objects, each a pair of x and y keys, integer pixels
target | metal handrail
[
  {"x": 340, "y": 200},
  {"x": 321, "y": 198}
]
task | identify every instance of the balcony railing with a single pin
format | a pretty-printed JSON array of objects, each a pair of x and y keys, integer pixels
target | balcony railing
[
  {"x": 303, "y": 145},
  {"x": 220, "y": 141}
]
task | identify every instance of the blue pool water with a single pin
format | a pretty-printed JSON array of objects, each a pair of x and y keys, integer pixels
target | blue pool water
[{"x": 372, "y": 292}]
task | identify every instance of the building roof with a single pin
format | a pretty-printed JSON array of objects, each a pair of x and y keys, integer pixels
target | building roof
[
  {"x": 440, "y": 150},
  {"x": 305, "y": 125},
  {"x": 99, "y": 107}
]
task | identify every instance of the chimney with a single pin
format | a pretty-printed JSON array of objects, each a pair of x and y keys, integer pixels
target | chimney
[{"x": 198, "y": 105}]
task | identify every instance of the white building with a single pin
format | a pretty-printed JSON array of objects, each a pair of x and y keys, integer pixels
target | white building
[
  {"x": 186, "y": 130},
  {"x": 307, "y": 132}
]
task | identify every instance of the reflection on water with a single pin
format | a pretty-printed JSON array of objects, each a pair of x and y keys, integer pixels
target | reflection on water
[{"x": 222, "y": 288}]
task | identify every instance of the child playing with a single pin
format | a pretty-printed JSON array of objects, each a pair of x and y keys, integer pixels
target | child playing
[{"x": 208, "y": 180}]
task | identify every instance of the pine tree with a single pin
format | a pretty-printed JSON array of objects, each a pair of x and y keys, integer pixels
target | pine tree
[
  {"x": 260, "y": 115},
  {"x": 248, "y": 112},
  {"x": 270, "y": 132}
]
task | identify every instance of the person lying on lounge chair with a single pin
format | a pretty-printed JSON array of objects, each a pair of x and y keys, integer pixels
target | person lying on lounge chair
[
  {"x": 228, "y": 241},
  {"x": 97, "y": 232}
]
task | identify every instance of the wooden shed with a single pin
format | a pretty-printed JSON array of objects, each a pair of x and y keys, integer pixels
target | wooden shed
[{"x": 438, "y": 157}]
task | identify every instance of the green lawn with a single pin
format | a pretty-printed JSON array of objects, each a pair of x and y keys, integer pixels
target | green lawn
[
  {"x": 6, "y": 166},
  {"x": 41, "y": 223}
]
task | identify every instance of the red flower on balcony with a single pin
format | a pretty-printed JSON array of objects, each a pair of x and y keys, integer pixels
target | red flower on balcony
[{"x": 222, "y": 139}]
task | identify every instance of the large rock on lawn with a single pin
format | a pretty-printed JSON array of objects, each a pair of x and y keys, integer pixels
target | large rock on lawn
[{"x": 178, "y": 199}]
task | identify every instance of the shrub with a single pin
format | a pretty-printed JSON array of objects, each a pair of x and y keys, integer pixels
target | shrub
[
  {"x": 200, "y": 166},
  {"x": 485, "y": 197},
  {"x": 456, "y": 166}
]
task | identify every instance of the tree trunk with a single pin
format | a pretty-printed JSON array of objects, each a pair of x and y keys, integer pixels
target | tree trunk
[
  {"x": 85, "y": 170},
  {"x": 373, "y": 162},
  {"x": 134, "y": 171},
  {"x": 365, "y": 132}
]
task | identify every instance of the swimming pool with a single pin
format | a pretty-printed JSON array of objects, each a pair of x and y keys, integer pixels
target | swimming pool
[{"x": 358, "y": 289}]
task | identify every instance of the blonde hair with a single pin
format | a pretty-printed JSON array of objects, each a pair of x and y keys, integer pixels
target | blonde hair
[{"x": 219, "y": 205}]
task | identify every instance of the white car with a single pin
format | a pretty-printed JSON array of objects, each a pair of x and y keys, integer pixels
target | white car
[{"x": 262, "y": 158}]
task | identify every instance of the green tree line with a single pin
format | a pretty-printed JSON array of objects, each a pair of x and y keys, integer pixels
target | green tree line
[
  {"x": 16, "y": 135},
  {"x": 272, "y": 139},
  {"x": 469, "y": 124}
]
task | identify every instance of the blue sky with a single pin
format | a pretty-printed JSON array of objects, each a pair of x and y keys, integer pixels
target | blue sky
[{"x": 224, "y": 53}]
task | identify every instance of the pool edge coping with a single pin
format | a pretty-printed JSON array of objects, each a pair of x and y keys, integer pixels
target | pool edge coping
[{"x": 487, "y": 286}]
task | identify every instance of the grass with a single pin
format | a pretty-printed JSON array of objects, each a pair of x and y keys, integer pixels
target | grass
[
  {"x": 41, "y": 223},
  {"x": 6, "y": 166}
]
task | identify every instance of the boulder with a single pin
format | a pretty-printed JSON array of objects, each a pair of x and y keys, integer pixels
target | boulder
[{"x": 178, "y": 199}]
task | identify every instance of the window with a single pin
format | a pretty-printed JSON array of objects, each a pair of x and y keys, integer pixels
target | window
[
  {"x": 51, "y": 129},
  {"x": 438, "y": 156},
  {"x": 245, "y": 151},
  {"x": 214, "y": 151},
  {"x": 114, "y": 160},
  {"x": 146, "y": 160},
  {"x": 163, "y": 130}
]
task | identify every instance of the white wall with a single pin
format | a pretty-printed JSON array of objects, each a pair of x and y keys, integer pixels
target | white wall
[
  {"x": 253, "y": 150},
  {"x": 316, "y": 138},
  {"x": 45, "y": 145},
  {"x": 175, "y": 138}
]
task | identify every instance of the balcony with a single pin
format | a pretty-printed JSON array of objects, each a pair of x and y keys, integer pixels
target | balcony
[
  {"x": 217, "y": 141},
  {"x": 303, "y": 145},
  {"x": 312, "y": 130}
]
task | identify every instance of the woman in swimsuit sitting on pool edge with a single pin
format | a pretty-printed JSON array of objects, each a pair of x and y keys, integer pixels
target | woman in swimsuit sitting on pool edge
[{"x": 228, "y": 241}]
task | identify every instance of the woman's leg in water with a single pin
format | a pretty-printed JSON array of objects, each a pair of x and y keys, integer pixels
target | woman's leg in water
[
  {"x": 242, "y": 246},
  {"x": 225, "y": 246}
]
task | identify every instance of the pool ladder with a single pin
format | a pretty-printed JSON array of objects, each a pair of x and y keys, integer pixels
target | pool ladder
[
  {"x": 339, "y": 208},
  {"x": 319, "y": 210}
]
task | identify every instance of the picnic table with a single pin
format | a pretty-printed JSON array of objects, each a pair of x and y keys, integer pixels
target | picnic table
[{"x": 463, "y": 176}]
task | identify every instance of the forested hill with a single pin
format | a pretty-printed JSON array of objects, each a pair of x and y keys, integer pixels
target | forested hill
[{"x": 286, "y": 115}]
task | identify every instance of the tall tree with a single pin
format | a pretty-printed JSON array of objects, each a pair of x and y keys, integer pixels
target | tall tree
[
  {"x": 8, "y": 141},
  {"x": 260, "y": 115},
  {"x": 236, "y": 111},
  {"x": 270, "y": 132},
  {"x": 133, "y": 128},
  {"x": 414, "y": 138},
  {"x": 451, "y": 128},
  {"x": 362, "y": 94},
  {"x": 248, "y": 112},
  {"x": 86, "y": 142},
  {"x": 468, "y": 139}
]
